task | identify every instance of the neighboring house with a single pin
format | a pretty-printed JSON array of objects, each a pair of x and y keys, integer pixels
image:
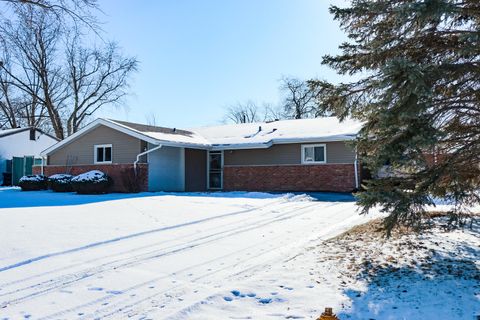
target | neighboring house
[
  {"x": 289, "y": 155},
  {"x": 18, "y": 149}
]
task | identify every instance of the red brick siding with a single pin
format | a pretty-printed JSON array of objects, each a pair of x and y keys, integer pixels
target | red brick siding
[
  {"x": 115, "y": 171},
  {"x": 325, "y": 177}
]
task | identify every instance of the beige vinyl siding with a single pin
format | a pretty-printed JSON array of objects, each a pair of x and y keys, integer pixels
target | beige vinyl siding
[
  {"x": 81, "y": 150},
  {"x": 276, "y": 154},
  {"x": 286, "y": 154},
  {"x": 340, "y": 152}
]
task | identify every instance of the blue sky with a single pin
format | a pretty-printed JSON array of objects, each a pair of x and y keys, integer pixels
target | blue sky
[{"x": 198, "y": 57}]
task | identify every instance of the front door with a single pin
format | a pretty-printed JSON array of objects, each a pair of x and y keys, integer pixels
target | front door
[{"x": 215, "y": 170}]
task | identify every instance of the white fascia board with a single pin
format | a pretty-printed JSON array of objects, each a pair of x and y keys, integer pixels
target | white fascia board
[
  {"x": 121, "y": 128},
  {"x": 167, "y": 143},
  {"x": 90, "y": 127},
  {"x": 243, "y": 146},
  {"x": 315, "y": 139},
  {"x": 183, "y": 145}
]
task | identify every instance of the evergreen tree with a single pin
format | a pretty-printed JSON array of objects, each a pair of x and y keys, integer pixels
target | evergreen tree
[{"x": 418, "y": 93}]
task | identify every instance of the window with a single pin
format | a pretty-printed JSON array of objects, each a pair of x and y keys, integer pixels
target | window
[
  {"x": 103, "y": 153},
  {"x": 314, "y": 153}
]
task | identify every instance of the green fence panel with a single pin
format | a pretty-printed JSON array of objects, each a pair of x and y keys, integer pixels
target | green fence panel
[
  {"x": 28, "y": 165},
  {"x": 18, "y": 169}
]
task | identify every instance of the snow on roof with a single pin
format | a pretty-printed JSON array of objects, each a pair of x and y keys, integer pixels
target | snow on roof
[
  {"x": 233, "y": 136},
  {"x": 264, "y": 134},
  {"x": 165, "y": 134},
  {"x": 7, "y": 132}
]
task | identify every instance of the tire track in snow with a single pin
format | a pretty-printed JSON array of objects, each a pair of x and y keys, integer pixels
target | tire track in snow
[
  {"x": 261, "y": 208},
  {"x": 120, "y": 306},
  {"x": 117, "y": 239},
  {"x": 87, "y": 273},
  {"x": 62, "y": 282},
  {"x": 261, "y": 265},
  {"x": 152, "y": 281}
]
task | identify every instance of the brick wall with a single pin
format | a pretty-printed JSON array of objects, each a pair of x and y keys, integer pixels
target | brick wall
[
  {"x": 324, "y": 177},
  {"x": 117, "y": 172}
]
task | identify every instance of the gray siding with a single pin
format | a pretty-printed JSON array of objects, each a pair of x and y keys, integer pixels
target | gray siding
[
  {"x": 340, "y": 152},
  {"x": 286, "y": 154},
  {"x": 277, "y": 154},
  {"x": 80, "y": 151}
]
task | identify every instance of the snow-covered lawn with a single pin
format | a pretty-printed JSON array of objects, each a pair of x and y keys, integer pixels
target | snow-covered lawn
[
  {"x": 190, "y": 256},
  {"x": 161, "y": 255}
]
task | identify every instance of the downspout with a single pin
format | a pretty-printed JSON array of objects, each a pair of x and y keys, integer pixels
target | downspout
[
  {"x": 355, "y": 165},
  {"x": 142, "y": 154}
]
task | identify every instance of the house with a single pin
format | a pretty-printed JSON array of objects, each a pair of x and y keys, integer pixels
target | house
[
  {"x": 288, "y": 155},
  {"x": 18, "y": 149}
]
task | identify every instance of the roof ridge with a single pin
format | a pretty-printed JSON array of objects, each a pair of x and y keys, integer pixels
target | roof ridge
[{"x": 149, "y": 128}]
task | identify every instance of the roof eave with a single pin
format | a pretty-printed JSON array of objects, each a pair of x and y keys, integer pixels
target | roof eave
[
  {"x": 124, "y": 129},
  {"x": 244, "y": 146}
]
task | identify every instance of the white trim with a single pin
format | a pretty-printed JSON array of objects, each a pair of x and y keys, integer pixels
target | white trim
[
  {"x": 98, "y": 146},
  {"x": 266, "y": 145},
  {"x": 304, "y": 146},
  {"x": 355, "y": 166},
  {"x": 146, "y": 152},
  {"x": 216, "y": 147},
  {"x": 221, "y": 169},
  {"x": 124, "y": 129}
]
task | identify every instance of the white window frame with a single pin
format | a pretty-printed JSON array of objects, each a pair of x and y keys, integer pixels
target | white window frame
[
  {"x": 304, "y": 146},
  {"x": 96, "y": 147}
]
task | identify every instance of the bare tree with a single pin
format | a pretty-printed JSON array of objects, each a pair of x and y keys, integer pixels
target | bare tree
[
  {"x": 273, "y": 112},
  {"x": 77, "y": 11},
  {"x": 298, "y": 98},
  {"x": 8, "y": 108},
  {"x": 151, "y": 119},
  {"x": 96, "y": 77},
  {"x": 16, "y": 107},
  {"x": 57, "y": 80},
  {"x": 34, "y": 41},
  {"x": 244, "y": 113}
]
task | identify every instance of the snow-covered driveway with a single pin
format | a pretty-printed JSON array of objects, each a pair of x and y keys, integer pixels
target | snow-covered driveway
[{"x": 159, "y": 256}]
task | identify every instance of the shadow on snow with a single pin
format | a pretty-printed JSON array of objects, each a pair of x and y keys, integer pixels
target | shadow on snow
[
  {"x": 447, "y": 286},
  {"x": 15, "y": 198}
]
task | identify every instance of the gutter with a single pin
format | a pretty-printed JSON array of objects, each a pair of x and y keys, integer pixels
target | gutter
[
  {"x": 355, "y": 165},
  {"x": 142, "y": 154}
]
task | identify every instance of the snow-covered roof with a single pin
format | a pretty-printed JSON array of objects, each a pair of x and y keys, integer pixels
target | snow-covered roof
[
  {"x": 232, "y": 136},
  {"x": 8, "y": 132},
  {"x": 164, "y": 134},
  {"x": 264, "y": 134}
]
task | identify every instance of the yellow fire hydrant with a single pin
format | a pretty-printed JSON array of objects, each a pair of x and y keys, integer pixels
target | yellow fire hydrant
[{"x": 328, "y": 315}]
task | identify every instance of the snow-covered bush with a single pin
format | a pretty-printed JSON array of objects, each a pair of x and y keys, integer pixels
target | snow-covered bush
[
  {"x": 91, "y": 182},
  {"x": 33, "y": 182},
  {"x": 60, "y": 182}
]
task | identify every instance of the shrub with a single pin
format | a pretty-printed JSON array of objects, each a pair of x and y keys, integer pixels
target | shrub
[
  {"x": 60, "y": 182},
  {"x": 33, "y": 182},
  {"x": 131, "y": 180},
  {"x": 91, "y": 182}
]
